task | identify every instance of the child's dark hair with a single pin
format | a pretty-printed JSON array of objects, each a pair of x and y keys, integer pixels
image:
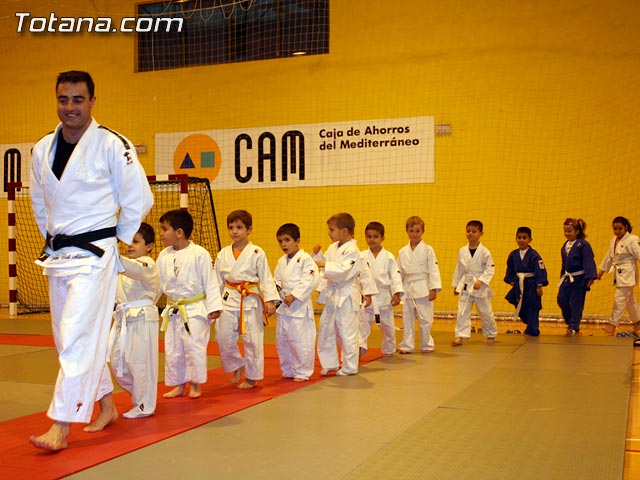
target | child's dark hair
[
  {"x": 242, "y": 215},
  {"x": 476, "y": 223},
  {"x": 147, "y": 233},
  {"x": 179, "y": 219},
  {"x": 624, "y": 221},
  {"x": 375, "y": 226},
  {"x": 343, "y": 220},
  {"x": 290, "y": 229},
  {"x": 578, "y": 224},
  {"x": 526, "y": 230},
  {"x": 413, "y": 221}
]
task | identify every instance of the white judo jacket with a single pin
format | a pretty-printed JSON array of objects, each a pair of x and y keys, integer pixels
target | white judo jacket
[
  {"x": 621, "y": 260},
  {"x": 469, "y": 269},
  {"x": 102, "y": 177},
  {"x": 297, "y": 276}
]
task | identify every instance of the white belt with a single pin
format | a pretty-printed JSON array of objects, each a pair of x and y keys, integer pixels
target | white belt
[
  {"x": 615, "y": 268},
  {"x": 570, "y": 276},
  {"x": 521, "y": 277},
  {"x": 466, "y": 281},
  {"x": 120, "y": 316}
]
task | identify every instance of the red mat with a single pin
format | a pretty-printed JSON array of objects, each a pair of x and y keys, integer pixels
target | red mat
[{"x": 21, "y": 460}]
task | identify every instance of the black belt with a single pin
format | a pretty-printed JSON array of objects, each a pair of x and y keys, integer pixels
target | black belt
[{"x": 81, "y": 240}]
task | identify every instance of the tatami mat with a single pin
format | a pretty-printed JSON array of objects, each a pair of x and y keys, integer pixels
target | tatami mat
[
  {"x": 548, "y": 408},
  {"x": 548, "y": 411}
]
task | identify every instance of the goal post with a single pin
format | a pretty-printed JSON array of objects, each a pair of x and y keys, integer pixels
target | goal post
[{"x": 28, "y": 291}]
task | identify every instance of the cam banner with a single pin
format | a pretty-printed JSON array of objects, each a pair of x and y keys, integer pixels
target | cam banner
[{"x": 362, "y": 152}]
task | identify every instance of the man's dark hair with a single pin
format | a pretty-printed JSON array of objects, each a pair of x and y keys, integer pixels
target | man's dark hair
[{"x": 76, "y": 76}]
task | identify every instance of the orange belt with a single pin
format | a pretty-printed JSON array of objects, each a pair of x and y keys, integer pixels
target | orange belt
[{"x": 245, "y": 289}]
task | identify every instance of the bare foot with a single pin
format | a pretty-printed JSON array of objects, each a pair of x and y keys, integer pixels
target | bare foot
[
  {"x": 54, "y": 439},
  {"x": 247, "y": 384},
  {"x": 195, "y": 391},
  {"x": 237, "y": 375},
  {"x": 176, "y": 392},
  {"x": 457, "y": 342},
  {"x": 489, "y": 341},
  {"x": 300, "y": 379},
  {"x": 104, "y": 418}
]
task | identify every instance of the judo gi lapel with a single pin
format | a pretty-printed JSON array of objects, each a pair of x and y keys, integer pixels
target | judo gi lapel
[
  {"x": 238, "y": 271},
  {"x": 75, "y": 166}
]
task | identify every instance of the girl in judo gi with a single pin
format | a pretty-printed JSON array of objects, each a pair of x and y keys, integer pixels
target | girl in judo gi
[
  {"x": 621, "y": 260},
  {"x": 133, "y": 340},
  {"x": 577, "y": 274}
]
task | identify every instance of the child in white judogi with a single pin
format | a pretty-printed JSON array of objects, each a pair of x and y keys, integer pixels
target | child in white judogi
[
  {"x": 296, "y": 277},
  {"x": 248, "y": 297},
  {"x": 341, "y": 296},
  {"x": 471, "y": 279},
  {"x": 133, "y": 339},
  {"x": 386, "y": 275},
  {"x": 421, "y": 280},
  {"x": 622, "y": 260},
  {"x": 193, "y": 302}
]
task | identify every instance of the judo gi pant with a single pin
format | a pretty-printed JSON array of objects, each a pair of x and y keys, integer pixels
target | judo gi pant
[
  {"x": 530, "y": 316},
  {"x": 624, "y": 299},
  {"x": 296, "y": 345},
  {"x": 422, "y": 308},
  {"x": 186, "y": 353},
  {"x": 387, "y": 325},
  {"x": 339, "y": 328},
  {"x": 135, "y": 363},
  {"x": 227, "y": 335},
  {"x": 81, "y": 310},
  {"x": 463, "y": 321},
  {"x": 571, "y": 298}
]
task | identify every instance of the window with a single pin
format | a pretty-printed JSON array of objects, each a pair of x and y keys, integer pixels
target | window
[{"x": 226, "y": 31}]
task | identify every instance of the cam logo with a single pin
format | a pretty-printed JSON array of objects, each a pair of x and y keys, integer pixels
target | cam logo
[
  {"x": 198, "y": 155},
  {"x": 291, "y": 160}
]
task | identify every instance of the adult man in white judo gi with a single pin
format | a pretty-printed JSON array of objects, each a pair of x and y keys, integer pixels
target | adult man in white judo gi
[{"x": 82, "y": 175}]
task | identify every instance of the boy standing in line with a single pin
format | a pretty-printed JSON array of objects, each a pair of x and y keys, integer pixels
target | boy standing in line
[
  {"x": 133, "y": 339},
  {"x": 421, "y": 279},
  {"x": 471, "y": 279},
  {"x": 526, "y": 275},
  {"x": 387, "y": 277},
  {"x": 296, "y": 276},
  {"x": 193, "y": 302},
  {"x": 249, "y": 295},
  {"x": 344, "y": 273}
]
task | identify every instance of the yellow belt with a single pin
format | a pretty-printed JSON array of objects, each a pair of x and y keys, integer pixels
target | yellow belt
[
  {"x": 245, "y": 289},
  {"x": 180, "y": 305}
]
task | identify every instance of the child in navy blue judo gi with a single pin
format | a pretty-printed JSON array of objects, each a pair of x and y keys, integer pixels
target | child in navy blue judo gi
[
  {"x": 577, "y": 274},
  {"x": 526, "y": 275}
]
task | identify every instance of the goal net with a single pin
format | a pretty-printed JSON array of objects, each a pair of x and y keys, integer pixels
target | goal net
[{"x": 27, "y": 284}]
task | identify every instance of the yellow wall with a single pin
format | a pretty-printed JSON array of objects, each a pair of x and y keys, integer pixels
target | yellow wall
[{"x": 542, "y": 98}]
